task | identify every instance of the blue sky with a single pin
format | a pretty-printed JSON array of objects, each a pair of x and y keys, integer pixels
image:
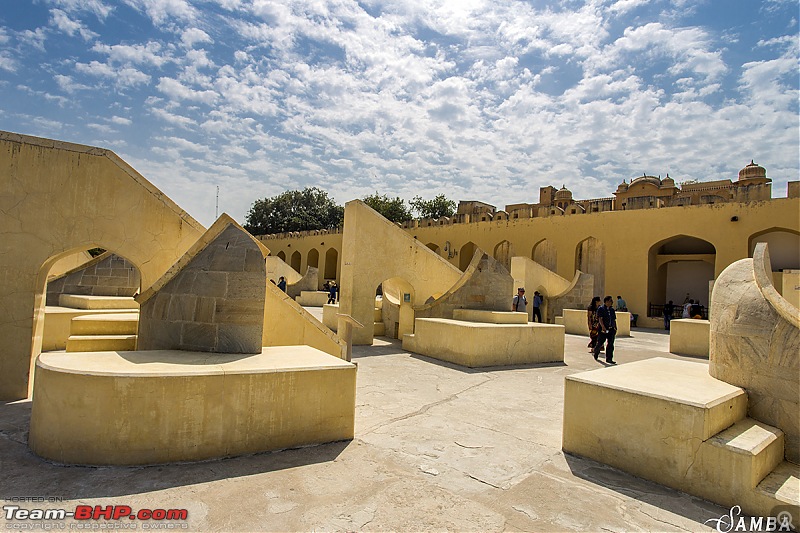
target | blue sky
[{"x": 480, "y": 100}]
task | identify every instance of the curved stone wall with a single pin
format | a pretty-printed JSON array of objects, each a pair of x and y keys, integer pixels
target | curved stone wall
[{"x": 755, "y": 344}]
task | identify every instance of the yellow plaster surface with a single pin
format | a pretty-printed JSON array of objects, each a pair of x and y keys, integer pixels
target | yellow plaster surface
[
  {"x": 627, "y": 237},
  {"x": 492, "y": 317},
  {"x": 688, "y": 336},
  {"x": 286, "y": 323},
  {"x": 58, "y": 199},
  {"x": 477, "y": 344},
  {"x": 576, "y": 322},
  {"x": 161, "y": 406},
  {"x": 57, "y": 324},
  {"x": 69, "y": 263},
  {"x": 375, "y": 250},
  {"x": 669, "y": 421},
  {"x": 313, "y": 298}
]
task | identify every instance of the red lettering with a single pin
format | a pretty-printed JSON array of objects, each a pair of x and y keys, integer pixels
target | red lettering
[
  {"x": 100, "y": 512},
  {"x": 121, "y": 511},
  {"x": 177, "y": 514},
  {"x": 83, "y": 512},
  {"x": 159, "y": 514},
  {"x": 144, "y": 514}
]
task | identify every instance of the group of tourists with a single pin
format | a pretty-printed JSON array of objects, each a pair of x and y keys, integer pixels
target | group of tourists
[
  {"x": 520, "y": 304},
  {"x": 691, "y": 309},
  {"x": 602, "y": 320}
]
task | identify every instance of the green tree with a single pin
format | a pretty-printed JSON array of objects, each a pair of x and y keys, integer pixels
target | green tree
[
  {"x": 309, "y": 209},
  {"x": 436, "y": 208},
  {"x": 395, "y": 210}
]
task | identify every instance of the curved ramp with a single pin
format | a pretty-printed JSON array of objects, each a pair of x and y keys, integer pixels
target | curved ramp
[{"x": 755, "y": 344}]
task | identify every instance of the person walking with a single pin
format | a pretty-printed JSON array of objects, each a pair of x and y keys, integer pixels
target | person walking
[
  {"x": 332, "y": 290},
  {"x": 537, "y": 303},
  {"x": 519, "y": 302},
  {"x": 669, "y": 308},
  {"x": 282, "y": 283},
  {"x": 594, "y": 324},
  {"x": 607, "y": 318}
]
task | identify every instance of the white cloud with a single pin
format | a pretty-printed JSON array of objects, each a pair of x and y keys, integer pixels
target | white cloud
[
  {"x": 171, "y": 118},
  {"x": 97, "y": 7},
  {"x": 149, "y": 53},
  {"x": 192, "y": 36},
  {"x": 122, "y": 121},
  {"x": 160, "y": 11},
  {"x": 689, "y": 50},
  {"x": 69, "y": 85},
  {"x": 122, "y": 77},
  {"x": 175, "y": 90},
  {"x": 33, "y": 38},
  {"x": 61, "y": 20}
]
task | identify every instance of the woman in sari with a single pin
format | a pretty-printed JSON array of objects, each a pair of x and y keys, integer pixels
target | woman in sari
[{"x": 594, "y": 322}]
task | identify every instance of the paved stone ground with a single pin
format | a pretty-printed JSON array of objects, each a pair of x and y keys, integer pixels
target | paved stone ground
[{"x": 437, "y": 447}]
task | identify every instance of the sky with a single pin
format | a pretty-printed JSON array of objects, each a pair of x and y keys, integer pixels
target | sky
[{"x": 477, "y": 99}]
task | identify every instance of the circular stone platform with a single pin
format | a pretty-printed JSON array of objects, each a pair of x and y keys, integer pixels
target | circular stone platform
[{"x": 146, "y": 407}]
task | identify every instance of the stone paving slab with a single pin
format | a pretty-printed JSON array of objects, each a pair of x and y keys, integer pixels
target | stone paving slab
[{"x": 438, "y": 447}]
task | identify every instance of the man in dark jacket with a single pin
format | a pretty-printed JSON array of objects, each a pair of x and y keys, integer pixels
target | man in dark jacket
[{"x": 608, "y": 329}]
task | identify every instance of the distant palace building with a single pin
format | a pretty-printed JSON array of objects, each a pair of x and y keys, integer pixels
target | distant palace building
[{"x": 645, "y": 192}]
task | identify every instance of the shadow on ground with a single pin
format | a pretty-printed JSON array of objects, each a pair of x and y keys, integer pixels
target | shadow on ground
[{"x": 25, "y": 474}]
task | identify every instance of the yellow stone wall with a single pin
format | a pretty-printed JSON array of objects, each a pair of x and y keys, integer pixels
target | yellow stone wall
[
  {"x": 57, "y": 199},
  {"x": 160, "y": 406},
  {"x": 627, "y": 238}
]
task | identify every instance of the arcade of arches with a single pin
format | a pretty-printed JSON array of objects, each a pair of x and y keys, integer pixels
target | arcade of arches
[{"x": 647, "y": 256}]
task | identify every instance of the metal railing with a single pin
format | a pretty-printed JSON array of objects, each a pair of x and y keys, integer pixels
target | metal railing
[{"x": 657, "y": 310}]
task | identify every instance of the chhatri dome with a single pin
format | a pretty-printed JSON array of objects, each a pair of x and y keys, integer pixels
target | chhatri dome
[{"x": 752, "y": 171}]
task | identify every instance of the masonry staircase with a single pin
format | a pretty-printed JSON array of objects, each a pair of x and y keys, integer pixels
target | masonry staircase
[
  {"x": 378, "y": 327},
  {"x": 111, "y": 331},
  {"x": 690, "y": 432}
]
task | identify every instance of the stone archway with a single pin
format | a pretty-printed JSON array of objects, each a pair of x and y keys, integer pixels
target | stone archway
[
  {"x": 590, "y": 258},
  {"x": 282, "y": 256},
  {"x": 312, "y": 259},
  {"x": 107, "y": 203},
  {"x": 296, "y": 260},
  {"x": 784, "y": 247},
  {"x": 331, "y": 263},
  {"x": 465, "y": 255},
  {"x": 503, "y": 253},
  {"x": 435, "y": 247},
  {"x": 680, "y": 267},
  {"x": 544, "y": 252}
]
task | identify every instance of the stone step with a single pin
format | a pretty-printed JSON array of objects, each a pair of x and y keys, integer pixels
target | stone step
[
  {"x": 81, "y": 301},
  {"x": 379, "y": 328},
  {"x": 377, "y": 315},
  {"x": 101, "y": 343},
  {"x": 107, "y": 324},
  {"x": 747, "y": 452},
  {"x": 782, "y": 486}
]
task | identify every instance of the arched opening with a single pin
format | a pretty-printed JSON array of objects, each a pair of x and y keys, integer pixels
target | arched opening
[
  {"x": 590, "y": 258},
  {"x": 783, "y": 245},
  {"x": 75, "y": 292},
  {"x": 397, "y": 309},
  {"x": 282, "y": 255},
  {"x": 544, "y": 253},
  {"x": 435, "y": 247},
  {"x": 503, "y": 253},
  {"x": 465, "y": 255},
  {"x": 331, "y": 263},
  {"x": 313, "y": 258},
  {"x": 679, "y": 268},
  {"x": 296, "y": 260}
]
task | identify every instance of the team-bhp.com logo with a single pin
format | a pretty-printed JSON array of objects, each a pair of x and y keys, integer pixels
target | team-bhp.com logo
[
  {"x": 734, "y": 521},
  {"x": 114, "y": 515}
]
